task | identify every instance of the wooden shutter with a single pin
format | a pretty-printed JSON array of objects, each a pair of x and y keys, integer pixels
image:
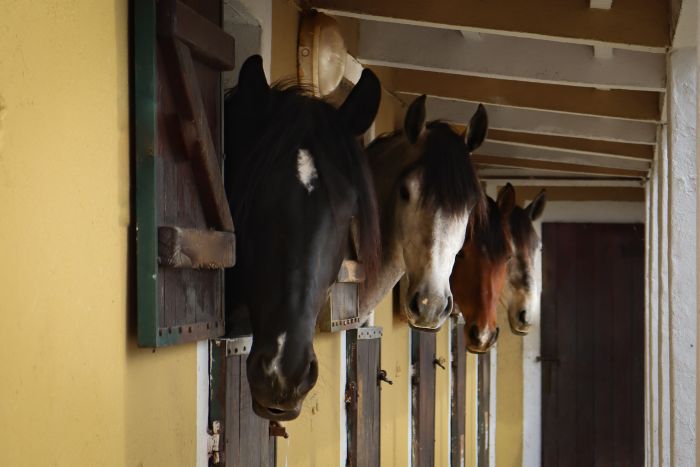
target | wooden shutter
[
  {"x": 423, "y": 397},
  {"x": 244, "y": 438},
  {"x": 363, "y": 396},
  {"x": 458, "y": 416},
  {"x": 184, "y": 235}
]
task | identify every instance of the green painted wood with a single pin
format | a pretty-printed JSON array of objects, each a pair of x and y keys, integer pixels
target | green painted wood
[{"x": 145, "y": 101}]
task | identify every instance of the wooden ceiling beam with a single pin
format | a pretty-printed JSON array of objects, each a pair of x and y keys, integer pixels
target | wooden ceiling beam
[
  {"x": 553, "y": 155},
  {"x": 496, "y": 161},
  {"x": 520, "y": 59},
  {"x": 588, "y": 146},
  {"x": 542, "y": 122},
  {"x": 627, "y": 24},
  {"x": 633, "y": 105}
]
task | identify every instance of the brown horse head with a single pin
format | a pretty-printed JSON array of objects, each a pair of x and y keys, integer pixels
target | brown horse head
[
  {"x": 481, "y": 270},
  {"x": 522, "y": 283}
]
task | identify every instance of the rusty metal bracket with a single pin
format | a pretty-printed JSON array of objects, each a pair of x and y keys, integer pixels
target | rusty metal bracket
[{"x": 277, "y": 430}]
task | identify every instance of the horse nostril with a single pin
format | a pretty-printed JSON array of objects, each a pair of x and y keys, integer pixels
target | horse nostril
[
  {"x": 414, "y": 303},
  {"x": 313, "y": 370},
  {"x": 448, "y": 308},
  {"x": 522, "y": 316},
  {"x": 474, "y": 333}
]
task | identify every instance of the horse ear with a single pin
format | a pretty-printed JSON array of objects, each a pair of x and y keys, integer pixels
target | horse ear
[
  {"x": 414, "y": 123},
  {"x": 506, "y": 200},
  {"x": 478, "y": 126},
  {"x": 536, "y": 207},
  {"x": 360, "y": 107},
  {"x": 251, "y": 79}
]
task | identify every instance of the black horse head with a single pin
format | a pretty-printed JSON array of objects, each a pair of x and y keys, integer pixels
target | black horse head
[{"x": 296, "y": 180}]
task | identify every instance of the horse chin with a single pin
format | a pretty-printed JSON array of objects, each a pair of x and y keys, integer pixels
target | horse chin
[
  {"x": 517, "y": 328},
  {"x": 276, "y": 414}
]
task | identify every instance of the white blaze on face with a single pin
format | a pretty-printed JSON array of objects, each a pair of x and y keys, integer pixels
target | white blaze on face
[
  {"x": 273, "y": 368},
  {"x": 306, "y": 170},
  {"x": 448, "y": 238}
]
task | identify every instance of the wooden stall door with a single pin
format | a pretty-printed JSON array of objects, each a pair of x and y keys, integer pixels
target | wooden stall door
[
  {"x": 593, "y": 345},
  {"x": 244, "y": 438},
  {"x": 185, "y": 236},
  {"x": 363, "y": 396},
  {"x": 458, "y": 416},
  {"x": 423, "y": 398}
]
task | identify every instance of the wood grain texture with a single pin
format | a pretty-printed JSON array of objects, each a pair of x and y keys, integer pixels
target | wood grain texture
[
  {"x": 195, "y": 249},
  {"x": 458, "y": 414},
  {"x": 592, "y": 345},
  {"x": 423, "y": 347},
  {"x": 628, "y": 23}
]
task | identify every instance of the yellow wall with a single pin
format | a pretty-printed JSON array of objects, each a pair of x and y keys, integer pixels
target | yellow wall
[
  {"x": 76, "y": 391},
  {"x": 509, "y": 396}
]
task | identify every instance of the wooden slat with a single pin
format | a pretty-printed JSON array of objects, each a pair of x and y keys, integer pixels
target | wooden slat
[
  {"x": 525, "y": 194},
  {"x": 206, "y": 39},
  {"x": 593, "y": 146},
  {"x": 197, "y": 135},
  {"x": 516, "y": 151},
  {"x": 458, "y": 415},
  {"x": 423, "y": 442},
  {"x": 629, "y": 24},
  {"x": 554, "y": 166},
  {"x": 635, "y": 105},
  {"x": 351, "y": 271},
  {"x": 196, "y": 249}
]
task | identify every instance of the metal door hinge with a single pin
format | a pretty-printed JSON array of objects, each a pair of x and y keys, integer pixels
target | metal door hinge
[{"x": 213, "y": 439}]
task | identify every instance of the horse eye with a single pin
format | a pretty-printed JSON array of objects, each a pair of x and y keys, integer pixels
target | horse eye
[{"x": 403, "y": 192}]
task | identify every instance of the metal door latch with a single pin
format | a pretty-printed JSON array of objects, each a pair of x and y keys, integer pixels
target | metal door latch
[
  {"x": 213, "y": 438},
  {"x": 439, "y": 362},
  {"x": 278, "y": 430},
  {"x": 382, "y": 377}
]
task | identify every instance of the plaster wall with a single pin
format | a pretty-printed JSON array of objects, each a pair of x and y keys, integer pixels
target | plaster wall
[
  {"x": 76, "y": 389},
  {"x": 681, "y": 254}
]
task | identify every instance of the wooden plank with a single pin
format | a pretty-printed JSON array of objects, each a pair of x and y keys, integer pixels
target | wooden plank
[
  {"x": 616, "y": 103},
  {"x": 515, "y": 151},
  {"x": 592, "y": 322},
  {"x": 145, "y": 130},
  {"x": 196, "y": 249},
  {"x": 206, "y": 39},
  {"x": 524, "y": 194},
  {"x": 423, "y": 347},
  {"x": 197, "y": 135},
  {"x": 458, "y": 408},
  {"x": 629, "y": 24},
  {"x": 351, "y": 271},
  {"x": 583, "y": 145},
  {"x": 554, "y": 166},
  {"x": 498, "y": 56},
  {"x": 543, "y": 122}
]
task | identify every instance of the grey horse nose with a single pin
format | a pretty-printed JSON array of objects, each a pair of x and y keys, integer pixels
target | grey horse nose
[
  {"x": 430, "y": 305},
  {"x": 522, "y": 316}
]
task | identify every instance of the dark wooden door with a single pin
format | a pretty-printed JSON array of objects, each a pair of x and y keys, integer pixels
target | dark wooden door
[
  {"x": 592, "y": 345},
  {"x": 423, "y": 397},
  {"x": 244, "y": 438},
  {"x": 458, "y": 416},
  {"x": 363, "y": 396}
]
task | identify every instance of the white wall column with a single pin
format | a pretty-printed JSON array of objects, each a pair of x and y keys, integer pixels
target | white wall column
[{"x": 680, "y": 255}]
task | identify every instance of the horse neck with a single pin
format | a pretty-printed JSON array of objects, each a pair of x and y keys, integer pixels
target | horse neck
[{"x": 386, "y": 165}]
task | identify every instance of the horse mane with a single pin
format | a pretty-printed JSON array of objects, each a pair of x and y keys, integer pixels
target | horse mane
[
  {"x": 493, "y": 234},
  {"x": 449, "y": 179},
  {"x": 521, "y": 230},
  {"x": 293, "y": 118}
]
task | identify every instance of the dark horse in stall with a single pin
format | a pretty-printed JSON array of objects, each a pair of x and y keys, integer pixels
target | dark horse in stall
[
  {"x": 296, "y": 180},
  {"x": 481, "y": 271}
]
